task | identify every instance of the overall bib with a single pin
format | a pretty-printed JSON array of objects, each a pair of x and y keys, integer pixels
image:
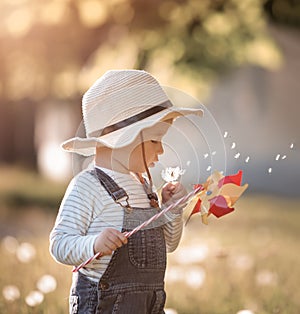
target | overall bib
[{"x": 133, "y": 282}]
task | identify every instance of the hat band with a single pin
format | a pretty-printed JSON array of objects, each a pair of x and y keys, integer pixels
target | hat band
[{"x": 140, "y": 116}]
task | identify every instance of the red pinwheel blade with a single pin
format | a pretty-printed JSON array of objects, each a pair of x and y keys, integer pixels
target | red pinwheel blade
[
  {"x": 219, "y": 206},
  {"x": 235, "y": 179},
  {"x": 196, "y": 208}
]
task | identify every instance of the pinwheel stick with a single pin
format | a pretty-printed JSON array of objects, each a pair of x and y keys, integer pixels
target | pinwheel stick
[{"x": 144, "y": 224}]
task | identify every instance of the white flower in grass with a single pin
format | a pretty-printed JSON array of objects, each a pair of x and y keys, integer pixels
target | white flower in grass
[
  {"x": 11, "y": 293},
  {"x": 245, "y": 312},
  {"x": 46, "y": 284},
  {"x": 25, "y": 252},
  {"x": 34, "y": 298},
  {"x": 172, "y": 174}
]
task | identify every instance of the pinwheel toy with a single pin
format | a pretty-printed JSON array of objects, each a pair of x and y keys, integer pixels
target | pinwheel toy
[{"x": 218, "y": 195}]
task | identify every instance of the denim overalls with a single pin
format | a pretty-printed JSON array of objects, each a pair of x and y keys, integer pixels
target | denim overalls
[{"x": 133, "y": 282}]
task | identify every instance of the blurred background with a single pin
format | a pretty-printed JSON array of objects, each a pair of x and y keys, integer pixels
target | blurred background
[{"x": 238, "y": 58}]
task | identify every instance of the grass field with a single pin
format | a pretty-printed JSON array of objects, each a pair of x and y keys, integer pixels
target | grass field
[{"x": 247, "y": 260}]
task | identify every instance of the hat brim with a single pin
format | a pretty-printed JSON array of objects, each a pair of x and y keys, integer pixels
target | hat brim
[{"x": 126, "y": 135}]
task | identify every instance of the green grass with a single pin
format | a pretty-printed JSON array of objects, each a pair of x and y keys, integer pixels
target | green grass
[{"x": 261, "y": 235}]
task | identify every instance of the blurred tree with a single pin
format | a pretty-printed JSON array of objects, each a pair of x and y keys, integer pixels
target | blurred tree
[{"x": 53, "y": 49}]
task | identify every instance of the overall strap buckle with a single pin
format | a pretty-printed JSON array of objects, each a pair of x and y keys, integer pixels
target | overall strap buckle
[{"x": 116, "y": 192}]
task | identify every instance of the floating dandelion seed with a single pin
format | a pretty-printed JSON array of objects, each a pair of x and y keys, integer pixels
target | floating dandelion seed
[
  {"x": 233, "y": 145},
  {"x": 225, "y": 134},
  {"x": 25, "y": 252},
  {"x": 214, "y": 152},
  {"x": 34, "y": 298},
  {"x": 205, "y": 156},
  {"x": 247, "y": 159},
  {"x": 283, "y": 157},
  {"x": 208, "y": 168},
  {"x": 277, "y": 157},
  {"x": 11, "y": 293},
  {"x": 10, "y": 244},
  {"x": 236, "y": 156},
  {"x": 172, "y": 174},
  {"x": 245, "y": 312},
  {"x": 270, "y": 170},
  {"x": 46, "y": 284},
  {"x": 188, "y": 162},
  {"x": 292, "y": 146}
]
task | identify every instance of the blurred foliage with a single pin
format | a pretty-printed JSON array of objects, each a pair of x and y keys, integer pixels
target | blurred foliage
[
  {"x": 56, "y": 48},
  {"x": 22, "y": 188},
  {"x": 286, "y": 12}
]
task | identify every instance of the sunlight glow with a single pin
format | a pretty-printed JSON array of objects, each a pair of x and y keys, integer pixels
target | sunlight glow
[
  {"x": 93, "y": 13},
  {"x": 19, "y": 22}
]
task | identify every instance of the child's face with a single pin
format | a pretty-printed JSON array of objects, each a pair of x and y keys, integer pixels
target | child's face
[
  {"x": 131, "y": 156},
  {"x": 153, "y": 149}
]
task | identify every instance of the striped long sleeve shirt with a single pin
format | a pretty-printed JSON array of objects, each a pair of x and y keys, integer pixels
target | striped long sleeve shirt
[{"x": 87, "y": 209}]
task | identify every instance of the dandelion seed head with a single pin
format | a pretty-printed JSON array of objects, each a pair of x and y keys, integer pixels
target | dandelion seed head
[
  {"x": 195, "y": 277},
  {"x": 242, "y": 262},
  {"x": 25, "y": 252},
  {"x": 245, "y": 312},
  {"x": 174, "y": 274},
  {"x": 34, "y": 298},
  {"x": 46, "y": 284},
  {"x": 10, "y": 244},
  {"x": 170, "y": 311},
  {"x": 266, "y": 278},
  {"x": 172, "y": 174},
  {"x": 11, "y": 293},
  {"x": 191, "y": 254}
]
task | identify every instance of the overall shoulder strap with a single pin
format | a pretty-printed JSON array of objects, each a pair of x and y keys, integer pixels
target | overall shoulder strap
[{"x": 111, "y": 186}]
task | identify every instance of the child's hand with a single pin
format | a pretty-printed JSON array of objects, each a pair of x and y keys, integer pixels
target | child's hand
[
  {"x": 108, "y": 241},
  {"x": 172, "y": 192}
]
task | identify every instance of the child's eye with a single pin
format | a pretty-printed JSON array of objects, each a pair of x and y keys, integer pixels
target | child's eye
[{"x": 154, "y": 142}]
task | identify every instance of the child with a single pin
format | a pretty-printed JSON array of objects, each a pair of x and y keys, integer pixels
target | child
[{"x": 126, "y": 113}]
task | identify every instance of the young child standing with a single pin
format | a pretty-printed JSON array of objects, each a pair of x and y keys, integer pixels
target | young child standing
[{"x": 126, "y": 113}]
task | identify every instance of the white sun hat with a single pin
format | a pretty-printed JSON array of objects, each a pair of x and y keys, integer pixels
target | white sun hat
[{"x": 118, "y": 106}]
